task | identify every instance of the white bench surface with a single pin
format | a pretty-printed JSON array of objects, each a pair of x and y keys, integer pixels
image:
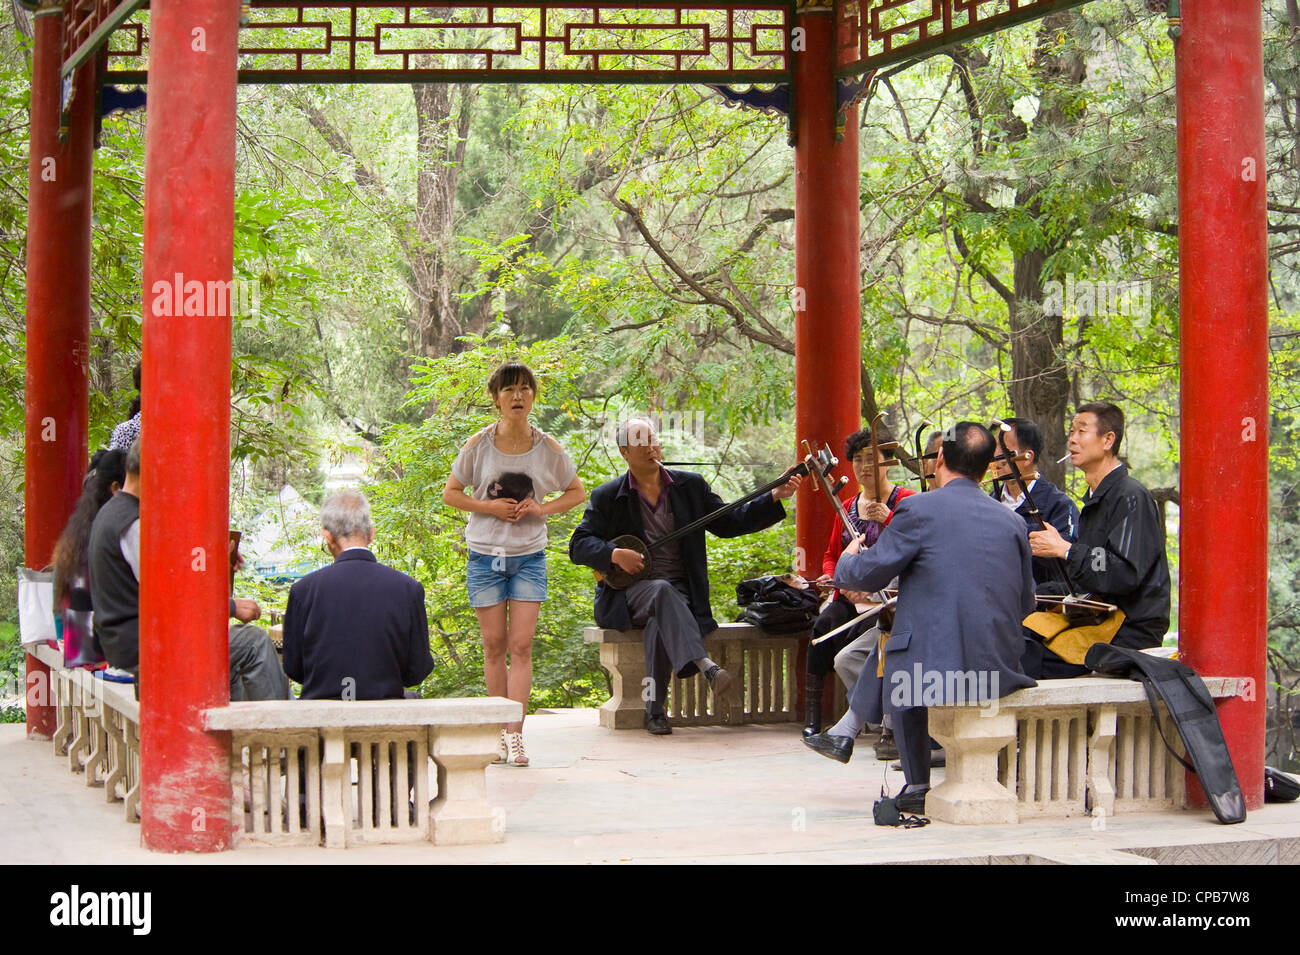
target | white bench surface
[
  {"x": 1084, "y": 690},
  {"x": 313, "y": 714},
  {"x": 119, "y": 696}
]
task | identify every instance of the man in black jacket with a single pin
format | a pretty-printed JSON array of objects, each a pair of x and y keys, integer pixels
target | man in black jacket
[
  {"x": 672, "y": 604},
  {"x": 1025, "y": 441},
  {"x": 1119, "y": 556},
  {"x": 355, "y": 630}
]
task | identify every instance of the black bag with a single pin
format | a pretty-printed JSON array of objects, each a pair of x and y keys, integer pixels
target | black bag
[
  {"x": 1192, "y": 709},
  {"x": 1279, "y": 786},
  {"x": 773, "y": 605}
]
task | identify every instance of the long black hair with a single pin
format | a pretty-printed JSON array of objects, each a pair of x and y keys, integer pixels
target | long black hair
[{"x": 106, "y": 467}]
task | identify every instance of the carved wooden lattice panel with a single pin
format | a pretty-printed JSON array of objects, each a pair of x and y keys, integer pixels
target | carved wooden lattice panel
[
  {"x": 365, "y": 41},
  {"x": 878, "y": 33}
]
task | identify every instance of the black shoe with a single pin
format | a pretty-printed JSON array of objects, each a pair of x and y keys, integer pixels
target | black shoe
[
  {"x": 937, "y": 758},
  {"x": 885, "y": 747},
  {"x": 719, "y": 679},
  {"x": 912, "y": 799},
  {"x": 657, "y": 725},
  {"x": 812, "y": 705},
  {"x": 838, "y": 748}
]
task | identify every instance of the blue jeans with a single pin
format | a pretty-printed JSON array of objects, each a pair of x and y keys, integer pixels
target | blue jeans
[{"x": 492, "y": 580}]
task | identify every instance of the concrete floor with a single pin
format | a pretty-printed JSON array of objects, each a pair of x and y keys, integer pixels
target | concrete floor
[{"x": 745, "y": 795}]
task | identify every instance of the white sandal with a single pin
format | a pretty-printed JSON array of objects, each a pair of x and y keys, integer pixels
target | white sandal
[
  {"x": 502, "y": 751},
  {"x": 515, "y": 746}
]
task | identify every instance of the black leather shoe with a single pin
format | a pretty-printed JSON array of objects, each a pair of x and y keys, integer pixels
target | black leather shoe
[
  {"x": 912, "y": 799},
  {"x": 838, "y": 748},
  {"x": 938, "y": 758},
  {"x": 658, "y": 726},
  {"x": 720, "y": 680},
  {"x": 885, "y": 747}
]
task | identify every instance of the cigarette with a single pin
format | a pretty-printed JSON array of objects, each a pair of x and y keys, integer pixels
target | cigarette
[{"x": 1064, "y": 459}]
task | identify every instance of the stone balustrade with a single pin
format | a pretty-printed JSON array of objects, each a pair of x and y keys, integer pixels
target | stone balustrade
[
  {"x": 763, "y": 665},
  {"x": 97, "y": 730},
  {"x": 307, "y": 771},
  {"x": 1058, "y": 749},
  {"x": 361, "y": 769}
]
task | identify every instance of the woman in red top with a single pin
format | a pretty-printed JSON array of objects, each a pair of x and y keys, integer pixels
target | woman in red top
[{"x": 870, "y": 507}]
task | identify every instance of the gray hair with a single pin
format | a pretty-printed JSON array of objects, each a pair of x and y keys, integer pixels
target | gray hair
[
  {"x": 635, "y": 439},
  {"x": 133, "y": 458},
  {"x": 346, "y": 514}
]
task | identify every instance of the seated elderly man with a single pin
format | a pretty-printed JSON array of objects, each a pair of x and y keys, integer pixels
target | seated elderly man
[
  {"x": 114, "y": 558},
  {"x": 672, "y": 603},
  {"x": 355, "y": 630}
]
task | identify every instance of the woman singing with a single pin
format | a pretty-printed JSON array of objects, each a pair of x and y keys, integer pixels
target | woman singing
[{"x": 511, "y": 467}]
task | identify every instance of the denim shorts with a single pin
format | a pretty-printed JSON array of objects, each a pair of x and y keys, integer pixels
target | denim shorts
[{"x": 491, "y": 580}]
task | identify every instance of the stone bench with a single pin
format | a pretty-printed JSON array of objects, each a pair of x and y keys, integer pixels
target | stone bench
[
  {"x": 97, "y": 730},
  {"x": 1088, "y": 745},
  {"x": 763, "y": 665},
  {"x": 361, "y": 768}
]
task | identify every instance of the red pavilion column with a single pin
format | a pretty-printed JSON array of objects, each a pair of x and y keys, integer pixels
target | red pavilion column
[
  {"x": 58, "y": 317},
  {"x": 827, "y": 362},
  {"x": 1223, "y": 307},
  {"x": 827, "y": 325},
  {"x": 185, "y": 422}
]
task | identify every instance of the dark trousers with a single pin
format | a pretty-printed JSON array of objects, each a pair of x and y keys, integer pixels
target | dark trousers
[
  {"x": 912, "y": 734},
  {"x": 821, "y": 658},
  {"x": 671, "y": 635}
]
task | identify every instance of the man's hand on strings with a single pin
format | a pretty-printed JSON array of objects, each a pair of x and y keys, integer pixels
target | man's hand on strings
[
  {"x": 628, "y": 559},
  {"x": 788, "y": 488},
  {"x": 1048, "y": 543}
]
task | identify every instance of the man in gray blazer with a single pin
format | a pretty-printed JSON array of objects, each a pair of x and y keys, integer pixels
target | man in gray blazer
[{"x": 965, "y": 581}]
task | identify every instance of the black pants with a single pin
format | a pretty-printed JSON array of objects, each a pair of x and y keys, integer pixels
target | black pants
[{"x": 821, "y": 658}]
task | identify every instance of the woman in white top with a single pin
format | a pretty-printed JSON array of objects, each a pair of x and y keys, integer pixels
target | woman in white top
[{"x": 511, "y": 467}]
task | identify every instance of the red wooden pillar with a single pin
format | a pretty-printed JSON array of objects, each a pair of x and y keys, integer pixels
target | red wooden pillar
[
  {"x": 1223, "y": 307},
  {"x": 58, "y": 317},
  {"x": 827, "y": 327},
  {"x": 185, "y": 422},
  {"x": 828, "y": 335}
]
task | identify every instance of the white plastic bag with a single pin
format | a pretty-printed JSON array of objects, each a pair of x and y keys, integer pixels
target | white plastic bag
[{"x": 35, "y": 606}]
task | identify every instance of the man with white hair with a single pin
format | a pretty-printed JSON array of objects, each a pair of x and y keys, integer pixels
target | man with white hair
[{"x": 355, "y": 630}]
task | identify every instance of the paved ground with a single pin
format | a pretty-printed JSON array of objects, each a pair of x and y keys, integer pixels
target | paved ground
[{"x": 743, "y": 795}]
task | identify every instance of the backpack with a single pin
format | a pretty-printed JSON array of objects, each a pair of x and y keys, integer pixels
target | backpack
[{"x": 772, "y": 604}]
